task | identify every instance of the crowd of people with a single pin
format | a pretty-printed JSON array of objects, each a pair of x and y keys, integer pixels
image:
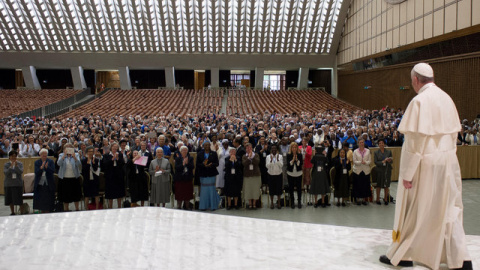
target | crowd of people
[{"x": 241, "y": 155}]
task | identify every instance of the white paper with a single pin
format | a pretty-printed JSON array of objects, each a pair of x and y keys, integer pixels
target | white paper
[
  {"x": 251, "y": 167},
  {"x": 344, "y": 171},
  {"x": 158, "y": 173}
]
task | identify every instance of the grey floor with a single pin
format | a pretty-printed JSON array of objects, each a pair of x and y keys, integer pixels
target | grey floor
[{"x": 371, "y": 216}]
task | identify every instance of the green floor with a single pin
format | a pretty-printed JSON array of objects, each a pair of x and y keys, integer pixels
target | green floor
[{"x": 371, "y": 216}]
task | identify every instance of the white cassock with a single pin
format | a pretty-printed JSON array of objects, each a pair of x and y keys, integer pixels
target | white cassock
[
  {"x": 222, "y": 153},
  {"x": 428, "y": 226}
]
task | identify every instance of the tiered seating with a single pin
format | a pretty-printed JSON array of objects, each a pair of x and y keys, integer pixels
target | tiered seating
[
  {"x": 14, "y": 101},
  {"x": 152, "y": 102},
  {"x": 284, "y": 101}
]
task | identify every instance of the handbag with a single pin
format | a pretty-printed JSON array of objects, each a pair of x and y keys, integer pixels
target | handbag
[{"x": 25, "y": 209}]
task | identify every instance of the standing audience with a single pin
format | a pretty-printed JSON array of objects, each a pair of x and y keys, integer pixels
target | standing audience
[
  {"x": 44, "y": 186},
  {"x": 13, "y": 184},
  {"x": 69, "y": 187},
  {"x": 160, "y": 170}
]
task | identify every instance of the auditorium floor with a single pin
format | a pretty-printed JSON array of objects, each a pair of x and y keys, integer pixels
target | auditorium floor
[{"x": 372, "y": 216}]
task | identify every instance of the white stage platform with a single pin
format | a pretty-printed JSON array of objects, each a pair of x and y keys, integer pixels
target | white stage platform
[{"x": 159, "y": 238}]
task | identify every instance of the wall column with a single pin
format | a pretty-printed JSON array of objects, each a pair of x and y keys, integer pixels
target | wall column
[
  {"x": 335, "y": 80},
  {"x": 303, "y": 78},
  {"x": 215, "y": 77},
  {"x": 78, "y": 78},
  {"x": 124, "y": 74},
  {"x": 259, "y": 72},
  {"x": 170, "y": 77},
  {"x": 30, "y": 77}
]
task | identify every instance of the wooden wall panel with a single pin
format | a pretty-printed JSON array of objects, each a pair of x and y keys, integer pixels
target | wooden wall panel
[
  {"x": 464, "y": 14},
  {"x": 458, "y": 77},
  {"x": 382, "y": 26},
  {"x": 110, "y": 79},
  {"x": 438, "y": 22},
  {"x": 451, "y": 18},
  {"x": 475, "y": 14},
  {"x": 19, "y": 82},
  {"x": 428, "y": 26}
]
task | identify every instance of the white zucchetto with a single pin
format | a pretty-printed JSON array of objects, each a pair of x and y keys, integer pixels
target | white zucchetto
[{"x": 424, "y": 70}]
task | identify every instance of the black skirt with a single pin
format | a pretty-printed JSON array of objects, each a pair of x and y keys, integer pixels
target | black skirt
[
  {"x": 43, "y": 199},
  {"x": 361, "y": 185},
  {"x": 69, "y": 190},
  {"x": 138, "y": 187},
  {"x": 13, "y": 195},
  {"x": 275, "y": 184},
  {"x": 233, "y": 185},
  {"x": 90, "y": 187}
]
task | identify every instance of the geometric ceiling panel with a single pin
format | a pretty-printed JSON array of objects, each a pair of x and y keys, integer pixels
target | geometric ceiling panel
[{"x": 169, "y": 26}]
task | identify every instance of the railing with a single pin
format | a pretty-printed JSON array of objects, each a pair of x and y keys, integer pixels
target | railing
[
  {"x": 70, "y": 108},
  {"x": 57, "y": 106}
]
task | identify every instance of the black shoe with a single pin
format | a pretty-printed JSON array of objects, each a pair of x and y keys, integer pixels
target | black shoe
[
  {"x": 309, "y": 204},
  {"x": 237, "y": 207},
  {"x": 379, "y": 203},
  {"x": 293, "y": 206},
  {"x": 386, "y": 202},
  {"x": 384, "y": 259},
  {"x": 299, "y": 206},
  {"x": 279, "y": 206},
  {"x": 324, "y": 205},
  {"x": 229, "y": 208},
  {"x": 359, "y": 203},
  {"x": 12, "y": 214},
  {"x": 365, "y": 203},
  {"x": 343, "y": 204},
  {"x": 272, "y": 206},
  {"x": 315, "y": 205},
  {"x": 467, "y": 265},
  {"x": 338, "y": 204}
]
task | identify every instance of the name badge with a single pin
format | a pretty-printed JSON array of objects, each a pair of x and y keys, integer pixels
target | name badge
[
  {"x": 385, "y": 164},
  {"x": 285, "y": 154},
  {"x": 136, "y": 170},
  {"x": 264, "y": 154},
  {"x": 344, "y": 171},
  {"x": 14, "y": 176},
  {"x": 114, "y": 163},
  {"x": 351, "y": 145},
  {"x": 319, "y": 169},
  {"x": 232, "y": 171},
  {"x": 251, "y": 167},
  {"x": 185, "y": 170}
]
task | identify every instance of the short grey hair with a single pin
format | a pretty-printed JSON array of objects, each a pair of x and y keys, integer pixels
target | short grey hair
[
  {"x": 183, "y": 148},
  {"x": 44, "y": 150}
]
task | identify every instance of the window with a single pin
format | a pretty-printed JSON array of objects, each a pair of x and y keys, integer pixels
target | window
[{"x": 274, "y": 82}]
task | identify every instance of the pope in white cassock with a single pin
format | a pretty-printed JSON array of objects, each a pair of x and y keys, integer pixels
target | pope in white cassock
[{"x": 428, "y": 226}]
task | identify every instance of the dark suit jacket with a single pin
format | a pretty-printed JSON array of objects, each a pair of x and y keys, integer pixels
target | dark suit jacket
[
  {"x": 50, "y": 170},
  {"x": 86, "y": 168},
  {"x": 203, "y": 171},
  {"x": 237, "y": 165},
  {"x": 180, "y": 174},
  {"x": 241, "y": 152}
]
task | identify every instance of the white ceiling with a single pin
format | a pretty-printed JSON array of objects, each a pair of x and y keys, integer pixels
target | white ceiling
[{"x": 170, "y": 27}]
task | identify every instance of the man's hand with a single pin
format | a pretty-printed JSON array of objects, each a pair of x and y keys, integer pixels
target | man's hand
[{"x": 407, "y": 184}]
